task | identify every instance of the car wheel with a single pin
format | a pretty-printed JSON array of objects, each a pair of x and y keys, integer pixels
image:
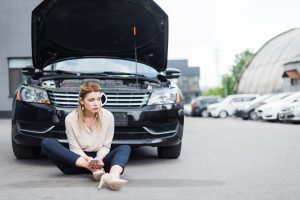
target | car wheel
[
  {"x": 204, "y": 113},
  {"x": 169, "y": 151},
  {"x": 223, "y": 114},
  {"x": 253, "y": 115},
  {"x": 22, "y": 152}
]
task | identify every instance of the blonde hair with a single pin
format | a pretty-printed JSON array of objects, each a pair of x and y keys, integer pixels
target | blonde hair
[{"x": 86, "y": 88}]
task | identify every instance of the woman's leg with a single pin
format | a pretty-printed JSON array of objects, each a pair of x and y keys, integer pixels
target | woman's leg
[
  {"x": 67, "y": 161},
  {"x": 114, "y": 163},
  {"x": 119, "y": 157}
]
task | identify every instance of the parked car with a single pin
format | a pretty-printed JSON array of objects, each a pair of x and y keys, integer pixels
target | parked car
[
  {"x": 275, "y": 98},
  {"x": 199, "y": 105},
  {"x": 76, "y": 41},
  {"x": 270, "y": 112},
  {"x": 229, "y": 105},
  {"x": 187, "y": 109},
  {"x": 290, "y": 112},
  {"x": 248, "y": 110}
]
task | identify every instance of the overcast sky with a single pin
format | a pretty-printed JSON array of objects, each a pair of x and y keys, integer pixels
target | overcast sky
[{"x": 209, "y": 33}]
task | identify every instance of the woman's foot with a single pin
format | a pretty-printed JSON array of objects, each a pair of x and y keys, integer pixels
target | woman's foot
[
  {"x": 98, "y": 174},
  {"x": 112, "y": 181}
]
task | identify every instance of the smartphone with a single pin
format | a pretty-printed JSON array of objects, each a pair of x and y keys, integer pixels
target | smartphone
[{"x": 94, "y": 161}]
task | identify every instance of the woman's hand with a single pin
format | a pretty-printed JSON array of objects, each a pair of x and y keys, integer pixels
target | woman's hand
[
  {"x": 94, "y": 163},
  {"x": 99, "y": 164}
]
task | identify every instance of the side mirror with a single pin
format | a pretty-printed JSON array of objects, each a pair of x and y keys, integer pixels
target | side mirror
[
  {"x": 172, "y": 73},
  {"x": 28, "y": 71}
]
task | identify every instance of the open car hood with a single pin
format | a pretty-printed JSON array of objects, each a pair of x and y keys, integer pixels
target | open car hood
[{"x": 66, "y": 29}]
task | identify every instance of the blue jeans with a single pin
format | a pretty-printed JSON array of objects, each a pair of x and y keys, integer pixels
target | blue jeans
[{"x": 65, "y": 159}]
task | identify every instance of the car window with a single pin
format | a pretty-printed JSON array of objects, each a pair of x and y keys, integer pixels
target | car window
[
  {"x": 100, "y": 65},
  {"x": 239, "y": 99},
  {"x": 249, "y": 98}
]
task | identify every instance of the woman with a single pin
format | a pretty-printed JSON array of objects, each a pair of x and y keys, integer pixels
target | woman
[{"x": 90, "y": 130}]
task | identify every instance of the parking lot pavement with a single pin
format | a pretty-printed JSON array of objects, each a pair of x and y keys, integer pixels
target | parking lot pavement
[{"x": 221, "y": 159}]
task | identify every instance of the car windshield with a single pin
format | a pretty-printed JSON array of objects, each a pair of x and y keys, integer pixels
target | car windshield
[
  {"x": 276, "y": 97},
  {"x": 260, "y": 99},
  {"x": 291, "y": 97},
  {"x": 103, "y": 65}
]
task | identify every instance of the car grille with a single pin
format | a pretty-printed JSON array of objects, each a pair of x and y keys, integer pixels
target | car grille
[{"x": 70, "y": 100}]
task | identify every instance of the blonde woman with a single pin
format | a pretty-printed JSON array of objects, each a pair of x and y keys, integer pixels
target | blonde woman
[{"x": 90, "y": 130}]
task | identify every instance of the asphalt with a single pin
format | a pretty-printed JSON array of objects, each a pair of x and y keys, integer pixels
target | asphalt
[{"x": 221, "y": 159}]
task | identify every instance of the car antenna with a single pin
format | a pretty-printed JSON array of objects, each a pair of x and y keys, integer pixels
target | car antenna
[{"x": 135, "y": 56}]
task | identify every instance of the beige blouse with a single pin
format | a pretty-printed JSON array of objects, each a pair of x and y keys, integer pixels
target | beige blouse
[{"x": 94, "y": 140}]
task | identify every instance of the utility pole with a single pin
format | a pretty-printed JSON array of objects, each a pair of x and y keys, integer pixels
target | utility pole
[{"x": 217, "y": 52}]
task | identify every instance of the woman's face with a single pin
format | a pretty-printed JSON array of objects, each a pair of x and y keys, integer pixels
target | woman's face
[{"x": 92, "y": 102}]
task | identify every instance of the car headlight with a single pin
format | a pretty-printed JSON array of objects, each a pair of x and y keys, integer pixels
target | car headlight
[
  {"x": 164, "y": 96},
  {"x": 32, "y": 94},
  {"x": 291, "y": 108}
]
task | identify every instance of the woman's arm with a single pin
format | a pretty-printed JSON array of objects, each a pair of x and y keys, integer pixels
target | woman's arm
[
  {"x": 108, "y": 140},
  {"x": 73, "y": 144}
]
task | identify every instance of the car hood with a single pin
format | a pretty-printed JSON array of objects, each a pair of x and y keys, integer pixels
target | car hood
[
  {"x": 66, "y": 29},
  {"x": 214, "y": 105}
]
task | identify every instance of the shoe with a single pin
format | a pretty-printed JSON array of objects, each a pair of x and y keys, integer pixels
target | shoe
[
  {"x": 112, "y": 182},
  {"x": 98, "y": 174}
]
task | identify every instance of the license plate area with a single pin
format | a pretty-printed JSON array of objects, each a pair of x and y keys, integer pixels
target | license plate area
[{"x": 121, "y": 118}]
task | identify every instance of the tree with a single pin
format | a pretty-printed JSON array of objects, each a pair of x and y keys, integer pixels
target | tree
[
  {"x": 239, "y": 65},
  {"x": 228, "y": 83},
  {"x": 217, "y": 91},
  {"x": 231, "y": 81}
]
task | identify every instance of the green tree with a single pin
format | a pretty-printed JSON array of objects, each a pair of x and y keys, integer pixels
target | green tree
[
  {"x": 228, "y": 83},
  {"x": 217, "y": 91},
  {"x": 239, "y": 65},
  {"x": 231, "y": 81}
]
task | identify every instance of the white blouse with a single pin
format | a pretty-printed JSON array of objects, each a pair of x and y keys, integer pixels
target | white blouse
[{"x": 90, "y": 140}]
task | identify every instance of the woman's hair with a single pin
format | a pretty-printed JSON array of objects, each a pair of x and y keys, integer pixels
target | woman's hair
[{"x": 86, "y": 88}]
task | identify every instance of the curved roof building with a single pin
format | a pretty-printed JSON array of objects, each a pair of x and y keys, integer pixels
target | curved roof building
[{"x": 275, "y": 67}]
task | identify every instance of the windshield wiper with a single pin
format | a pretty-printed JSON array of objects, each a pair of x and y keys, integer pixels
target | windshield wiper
[
  {"x": 123, "y": 73},
  {"x": 79, "y": 73}
]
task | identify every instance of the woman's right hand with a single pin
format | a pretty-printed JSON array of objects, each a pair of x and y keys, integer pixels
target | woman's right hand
[{"x": 94, "y": 164}]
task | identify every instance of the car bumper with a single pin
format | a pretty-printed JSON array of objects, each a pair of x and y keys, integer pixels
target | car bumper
[
  {"x": 158, "y": 125},
  {"x": 267, "y": 115},
  {"x": 288, "y": 116}
]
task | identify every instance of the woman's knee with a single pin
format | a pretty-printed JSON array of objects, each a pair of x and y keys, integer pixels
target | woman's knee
[
  {"x": 125, "y": 148},
  {"x": 47, "y": 142}
]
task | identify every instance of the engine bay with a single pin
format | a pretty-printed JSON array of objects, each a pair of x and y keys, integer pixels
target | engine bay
[{"x": 73, "y": 85}]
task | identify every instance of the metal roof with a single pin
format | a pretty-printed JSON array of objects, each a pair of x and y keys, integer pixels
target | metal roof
[{"x": 263, "y": 73}]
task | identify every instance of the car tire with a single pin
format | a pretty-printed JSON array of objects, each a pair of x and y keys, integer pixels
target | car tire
[
  {"x": 204, "y": 113},
  {"x": 23, "y": 152},
  {"x": 223, "y": 114},
  {"x": 171, "y": 152},
  {"x": 253, "y": 115}
]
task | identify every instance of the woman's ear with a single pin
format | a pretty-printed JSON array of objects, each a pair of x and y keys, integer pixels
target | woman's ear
[{"x": 80, "y": 101}]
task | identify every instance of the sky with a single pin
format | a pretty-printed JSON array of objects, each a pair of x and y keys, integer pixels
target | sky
[{"x": 209, "y": 33}]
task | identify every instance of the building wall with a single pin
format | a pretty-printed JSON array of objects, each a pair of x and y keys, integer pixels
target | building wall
[
  {"x": 15, "y": 40},
  {"x": 188, "y": 82}
]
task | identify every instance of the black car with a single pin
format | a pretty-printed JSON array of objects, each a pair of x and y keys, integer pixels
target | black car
[
  {"x": 199, "y": 105},
  {"x": 122, "y": 45}
]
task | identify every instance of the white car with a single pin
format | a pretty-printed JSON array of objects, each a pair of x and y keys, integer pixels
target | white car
[
  {"x": 270, "y": 111},
  {"x": 273, "y": 99},
  {"x": 290, "y": 112},
  {"x": 229, "y": 105}
]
